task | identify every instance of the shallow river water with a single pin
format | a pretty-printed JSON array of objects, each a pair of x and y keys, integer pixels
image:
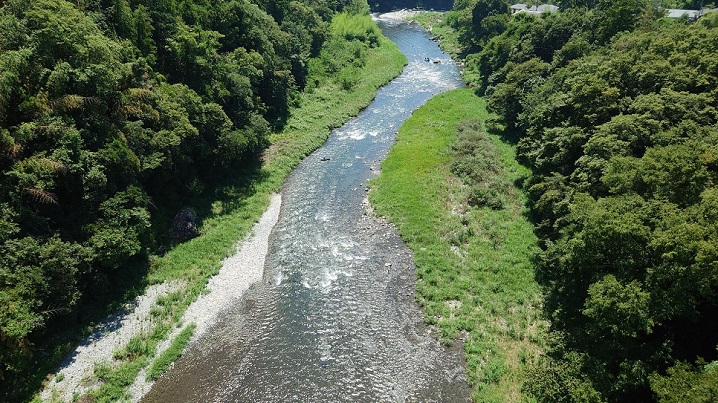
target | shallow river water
[{"x": 335, "y": 317}]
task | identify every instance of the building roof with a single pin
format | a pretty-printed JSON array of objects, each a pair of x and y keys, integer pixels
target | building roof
[
  {"x": 535, "y": 10},
  {"x": 677, "y": 13},
  {"x": 547, "y": 8},
  {"x": 691, "y": 14}
]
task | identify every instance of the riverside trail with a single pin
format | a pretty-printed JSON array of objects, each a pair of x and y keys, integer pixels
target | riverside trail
[{"x": 334, "y": 318}]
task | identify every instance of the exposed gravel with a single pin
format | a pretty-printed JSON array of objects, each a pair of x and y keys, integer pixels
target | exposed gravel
[
  {"x": 77, "y": 369},
  {"x": 237, "y": 274}
]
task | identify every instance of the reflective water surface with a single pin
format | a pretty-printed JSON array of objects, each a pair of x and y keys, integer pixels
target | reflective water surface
[{"x": 335, "y": 317}]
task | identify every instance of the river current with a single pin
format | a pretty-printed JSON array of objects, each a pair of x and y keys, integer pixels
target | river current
[{"x": 335, "y": 317}]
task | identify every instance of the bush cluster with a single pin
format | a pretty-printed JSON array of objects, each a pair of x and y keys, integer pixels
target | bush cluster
[{"x": 476, "y": 162}]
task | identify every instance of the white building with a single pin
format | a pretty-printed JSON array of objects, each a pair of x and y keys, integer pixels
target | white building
[
  {"x": 691, "y": 14},
  {"x": 535, "y": 10}
]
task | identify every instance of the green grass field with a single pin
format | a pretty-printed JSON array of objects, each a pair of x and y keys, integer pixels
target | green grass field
[{"x": 475, "y": 279}]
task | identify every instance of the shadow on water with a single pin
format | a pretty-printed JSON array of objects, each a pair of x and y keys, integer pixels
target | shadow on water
[{"x": 335, "y": 317}]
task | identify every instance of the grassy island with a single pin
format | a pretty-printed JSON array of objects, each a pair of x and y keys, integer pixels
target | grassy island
[{"x": 472, "y": 243}]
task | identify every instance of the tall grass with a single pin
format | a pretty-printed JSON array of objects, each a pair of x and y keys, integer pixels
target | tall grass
[
  {"x": 475, "y": 276},
  {"x": 235, "y": 207},
  {"x": 359, "y": 27}
]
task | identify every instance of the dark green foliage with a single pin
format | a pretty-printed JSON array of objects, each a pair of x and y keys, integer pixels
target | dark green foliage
[
  {"x": 617, "y": 116},
  {"x": 488, "y": 19},
  {"x": 113, "y": 114},
  {"x": 632, "y": 250},
  {"x": 477, "y": 21}
]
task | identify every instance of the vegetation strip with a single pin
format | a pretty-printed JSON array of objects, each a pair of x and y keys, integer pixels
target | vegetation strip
[
  {"x": 167, "y": 357},
  {"x": 357, "y": 45},
  {"x": 475, "y": 275}
]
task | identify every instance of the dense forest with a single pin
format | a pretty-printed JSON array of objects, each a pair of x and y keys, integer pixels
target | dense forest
[
  {"x": 614, "y": 108},
  {"x": 115, "y": 113}
]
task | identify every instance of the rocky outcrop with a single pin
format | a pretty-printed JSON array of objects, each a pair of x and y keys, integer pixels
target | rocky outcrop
[{"x": 184, "y": 226}]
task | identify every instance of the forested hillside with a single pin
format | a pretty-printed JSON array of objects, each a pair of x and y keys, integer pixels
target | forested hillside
[
  {"x": 115, "y": 113},
  {"x": 615, "y": 110}
]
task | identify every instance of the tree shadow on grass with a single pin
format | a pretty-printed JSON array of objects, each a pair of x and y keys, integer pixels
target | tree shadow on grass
[
  {"x": 497, "y": 127},
  {"x": 228, "y": 191},
  {"x": 113, "y": 295}
]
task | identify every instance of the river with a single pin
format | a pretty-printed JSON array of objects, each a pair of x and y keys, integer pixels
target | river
[{"x": 335, "y": 317}]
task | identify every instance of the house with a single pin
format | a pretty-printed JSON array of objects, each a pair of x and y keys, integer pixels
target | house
[
  {"x": 692, "y": 15},
  {"x": 535, "y": 10},
  {"x": 518, "y": 8}
]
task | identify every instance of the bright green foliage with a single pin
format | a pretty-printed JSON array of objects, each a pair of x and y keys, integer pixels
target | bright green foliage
[
  {"x": 345, "y": 52},
  {"x": 709, "y": 20},
  {"x": 161, "y": 363},
  {"x": 356, "y": 28}
]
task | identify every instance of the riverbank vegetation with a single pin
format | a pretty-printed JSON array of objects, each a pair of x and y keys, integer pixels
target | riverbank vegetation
[
  {"x": 114, "y": 115},
  {"x": 450, "y": 187},
  {"x": 614, "y": 110}
]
